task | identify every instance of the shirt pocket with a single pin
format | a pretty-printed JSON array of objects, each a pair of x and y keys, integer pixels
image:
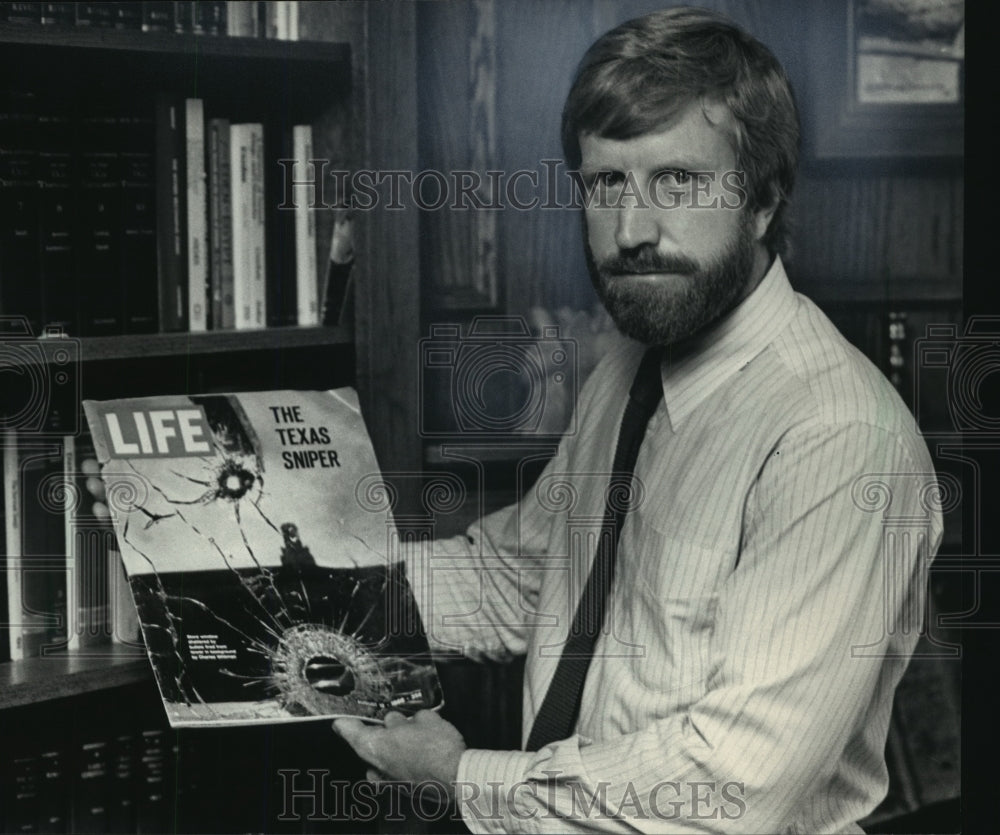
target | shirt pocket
[{"x": 671, "y": 591}]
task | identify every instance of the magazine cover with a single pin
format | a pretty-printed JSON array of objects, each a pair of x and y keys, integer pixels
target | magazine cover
[{"x": 259, "y": 570}]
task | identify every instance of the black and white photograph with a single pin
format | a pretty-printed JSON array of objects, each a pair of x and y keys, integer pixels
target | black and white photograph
[{"x": 492, "y": 416}]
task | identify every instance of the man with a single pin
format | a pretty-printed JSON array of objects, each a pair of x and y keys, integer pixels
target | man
[{"x": 759, "y": 617}]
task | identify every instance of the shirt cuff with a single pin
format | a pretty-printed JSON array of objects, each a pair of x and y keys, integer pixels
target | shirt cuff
[{"x": 489, "y": 787}]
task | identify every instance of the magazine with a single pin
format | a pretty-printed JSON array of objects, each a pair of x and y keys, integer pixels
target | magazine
[{"x": 256, "y": 547}]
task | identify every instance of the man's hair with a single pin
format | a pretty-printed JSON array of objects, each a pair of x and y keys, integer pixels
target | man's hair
[{"x": 639, "y": 76}]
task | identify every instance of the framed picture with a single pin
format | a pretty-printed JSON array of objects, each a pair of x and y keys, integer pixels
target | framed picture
[{"x": 886, "y": 79}]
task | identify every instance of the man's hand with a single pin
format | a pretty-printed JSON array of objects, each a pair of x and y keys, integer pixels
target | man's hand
[{"x": 424, "y": 747}]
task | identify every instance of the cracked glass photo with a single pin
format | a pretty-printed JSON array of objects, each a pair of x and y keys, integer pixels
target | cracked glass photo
[{"x": 259, "y": 602}]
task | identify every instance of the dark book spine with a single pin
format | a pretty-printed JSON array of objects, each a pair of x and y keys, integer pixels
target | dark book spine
[
  {"x": 57, "y": 268},
  {"x": 282, "y": 299},
  {"x": 95, "y": 14},
  {"x": 128, "y": 15},
  {"x": 220, "y": 225},
  {"x": 58, "y": 14},
  {"x": 121, "y": 812},
  {"x": 171, "y": 225},
  {"x": 99, "y": 230},
  {"x": 92, "y": 789},
  {"x": 20, "y": 292},
  {"x": 138, "y": 264},
  {"x": 153, "y": 807},
  {"x": 184, "y": 16},
  {"x": 43, "y": 549},
  {"x": 22, "y": 795},
  {"x": 157, "y": 16},
  {"x": 210, "y": 18},
  {"x": 30, "y": 13},
  {"x": 53, "y": 791}
]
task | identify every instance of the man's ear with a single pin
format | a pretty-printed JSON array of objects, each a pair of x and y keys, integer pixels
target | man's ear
[{"x": 764, "y": 214}]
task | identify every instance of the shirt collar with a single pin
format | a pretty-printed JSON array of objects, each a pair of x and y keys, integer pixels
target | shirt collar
[{"x": 729, "y": 345}]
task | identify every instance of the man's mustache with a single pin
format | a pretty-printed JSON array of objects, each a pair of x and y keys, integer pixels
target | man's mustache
[{"x": 647, "y": 260}]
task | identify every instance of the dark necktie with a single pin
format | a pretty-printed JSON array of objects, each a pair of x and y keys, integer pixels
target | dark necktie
[{"x": 561, "y": 706}]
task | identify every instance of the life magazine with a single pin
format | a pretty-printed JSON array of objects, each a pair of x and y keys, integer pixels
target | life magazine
[{"x": 254, "y": 533}]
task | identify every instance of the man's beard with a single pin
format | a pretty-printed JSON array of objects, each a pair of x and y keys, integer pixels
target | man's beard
[{"x": 666, "y": 310}]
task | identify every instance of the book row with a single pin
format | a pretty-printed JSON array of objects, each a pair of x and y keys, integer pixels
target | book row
[
  {"x": 277, "y": 19},
  {"x": 115, "y": 223},
  {"x": 62, "y": 583}
]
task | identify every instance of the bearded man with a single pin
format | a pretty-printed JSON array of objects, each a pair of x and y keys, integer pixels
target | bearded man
[{"x": 713, "y": 614}]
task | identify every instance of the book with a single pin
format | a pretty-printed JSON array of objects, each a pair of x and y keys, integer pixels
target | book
[
  {"x": 222, "y": 313},
  {"x": 196, "y": 214},
  {"x": 98, "y": 226},
  {"x": 280, "y": 220},
  {"x": 57, "y": 229},
  {"x": 138, "y": 264},
  {"x": 171, "y": 220},
  {"x": 89, "y": 547},
  {"x": 259, "y": 549},
  {"x": 20, "y": 293},
  {"x": 242, "y": 19},
  {"x": 247, "y": 203},
  {"x": 306, "y": 272},
  {"x": 34, "y": 489},
  {"x": 157, "y": 16}
]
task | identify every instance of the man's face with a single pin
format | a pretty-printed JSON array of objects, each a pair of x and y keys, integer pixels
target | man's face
[{"x": 671, "y": 244}]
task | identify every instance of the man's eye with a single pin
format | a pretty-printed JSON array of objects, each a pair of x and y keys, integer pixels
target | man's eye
[
  {"x": 674, "y": 176},
  {"x": 609, "y": 178}
]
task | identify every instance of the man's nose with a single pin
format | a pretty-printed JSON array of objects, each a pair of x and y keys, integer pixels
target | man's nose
[{"x": 636, "y": 226}]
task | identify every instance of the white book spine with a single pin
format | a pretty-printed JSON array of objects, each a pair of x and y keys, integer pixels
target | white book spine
[
  {"x": 74, "y": 559},
  {"x": 197, "y": 215},
  {"x": 12, "y": 506},
  {"x": 257, "y": 242},
  {"x": 306, "y": 276},
  {"x": 242, "y": 200}
]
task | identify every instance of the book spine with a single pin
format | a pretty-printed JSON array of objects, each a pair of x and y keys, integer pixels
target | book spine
[
  {"x": 241, "y": 202},
  {"x": 4, "y": 603},
  {"x": 58, "y": 14},
  {"x": 170, "y": 220},
  {"x": 306, "y": 273},
  {"x": 242, "y": 20},
  {"x": 19, "y": 208},
  {"x": 220, "y": 231},
  {"x": 53, "y": 791},
  {"x": 57, "y": 266},
  {"x": 197, "y": 219},
  {"x": 22, "y": 789},
  {"x": 12, "y": 530},
  {"x": 184, "y": 16},
  {"x": 99, "y": 227},
  {"x": 123, "y": 773},
  {"x": 157, "y": 16},
  {"x": 138, "y": 264},
  {"x": 257, "y": 227},
  {"x": 128, "y": 15},
  {"x": 282, "y": 293},
  {"x": 89, "y": 541},
  {"x": 91, "y": 793},
  {"x": 292, "y": 13},
  {"x": 73, "y": 559}
]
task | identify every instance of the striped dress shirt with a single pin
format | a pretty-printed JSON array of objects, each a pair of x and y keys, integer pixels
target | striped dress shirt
[{"x": 769, "y": 591}]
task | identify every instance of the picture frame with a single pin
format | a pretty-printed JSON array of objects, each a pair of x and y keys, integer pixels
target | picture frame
[{"x": 882, "y": 92}]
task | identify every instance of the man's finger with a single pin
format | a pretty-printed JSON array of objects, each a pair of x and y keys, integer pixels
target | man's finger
[
  {"x": 425, "y": 716},
  {"x": 394, "y": 718},
  {"x": 351, "y": 730}
]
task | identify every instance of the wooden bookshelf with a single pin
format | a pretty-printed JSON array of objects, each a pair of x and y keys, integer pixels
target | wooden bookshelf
[
  {"x": 135, "y": 41},
  {"x": 139, "y": 346},
  {"x": 70, "y": 674}
]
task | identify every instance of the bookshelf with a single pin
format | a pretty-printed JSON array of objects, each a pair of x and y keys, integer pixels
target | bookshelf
[{"x": 352, "y": 79}]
